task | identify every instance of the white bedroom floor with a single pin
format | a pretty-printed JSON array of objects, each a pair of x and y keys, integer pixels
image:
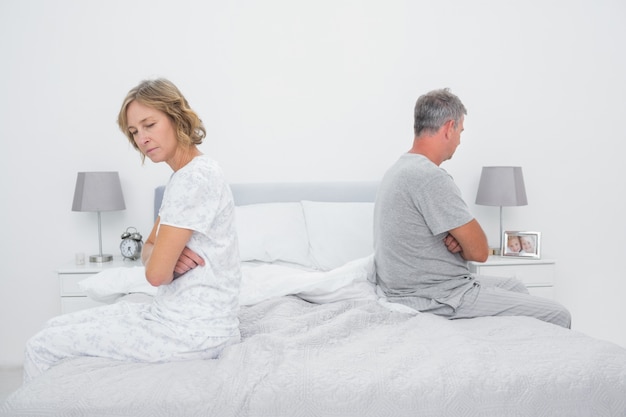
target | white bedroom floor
[{"x": 10, "y": 380}]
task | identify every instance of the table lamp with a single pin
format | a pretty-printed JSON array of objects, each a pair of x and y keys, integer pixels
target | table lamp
[
  {"x": 98, "y": 191},
  {"x": 501, "y": 186}
]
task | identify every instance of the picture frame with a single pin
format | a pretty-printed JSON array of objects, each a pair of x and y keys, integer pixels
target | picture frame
[{"x": 521, "y": 244}]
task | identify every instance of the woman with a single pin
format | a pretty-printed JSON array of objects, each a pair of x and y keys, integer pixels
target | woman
[{"x": 191, "y": 254}]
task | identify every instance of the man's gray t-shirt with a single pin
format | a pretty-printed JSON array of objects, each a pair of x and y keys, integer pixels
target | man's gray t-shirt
[{"x": 416, "y": 205}]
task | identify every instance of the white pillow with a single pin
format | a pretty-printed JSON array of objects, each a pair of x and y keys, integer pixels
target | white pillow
[
  {"x": 338, "y": 232},
  {"x": 110, "y": 284},
  {"x": 272, "y": 232}
]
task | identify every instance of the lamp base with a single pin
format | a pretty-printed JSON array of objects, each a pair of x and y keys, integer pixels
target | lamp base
[
  {"x": 100, "y": 258},
  {"x": 495, "y": 251}
]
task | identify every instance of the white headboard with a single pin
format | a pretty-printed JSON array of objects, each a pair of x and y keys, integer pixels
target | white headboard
[{"x": 255, "y": 193}]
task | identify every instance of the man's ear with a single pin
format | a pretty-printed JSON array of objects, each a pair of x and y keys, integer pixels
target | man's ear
[{"x": 448, "y": 127}]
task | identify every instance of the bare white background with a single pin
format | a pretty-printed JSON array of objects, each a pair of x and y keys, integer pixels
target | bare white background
[{"x": 297, "y": 91}]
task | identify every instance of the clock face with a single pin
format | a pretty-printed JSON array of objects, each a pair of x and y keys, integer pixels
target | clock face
[{"x": 130, "y": 248}]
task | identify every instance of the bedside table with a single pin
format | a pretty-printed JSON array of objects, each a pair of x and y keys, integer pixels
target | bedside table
[
  {"x": 537, "y": 274},
  {"x": 72, "y": 297}
]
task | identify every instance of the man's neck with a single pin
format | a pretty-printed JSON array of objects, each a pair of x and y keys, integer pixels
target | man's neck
[{"x": 425, "y": 146}]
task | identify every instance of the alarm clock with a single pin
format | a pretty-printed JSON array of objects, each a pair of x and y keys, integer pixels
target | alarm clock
[{"x": 132, "y": 244}]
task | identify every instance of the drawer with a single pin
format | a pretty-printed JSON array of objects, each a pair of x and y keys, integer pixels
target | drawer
[
  {"x": 71, "y": 304},
  {"x": 69, "y": 283},
  {"x": 541, "y": 275}
]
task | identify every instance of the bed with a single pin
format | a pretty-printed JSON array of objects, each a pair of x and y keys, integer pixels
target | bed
[{"x": 318, "y": 339}]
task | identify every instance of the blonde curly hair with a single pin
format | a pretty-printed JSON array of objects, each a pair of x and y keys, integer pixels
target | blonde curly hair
[{"x": 163, "y": 95}]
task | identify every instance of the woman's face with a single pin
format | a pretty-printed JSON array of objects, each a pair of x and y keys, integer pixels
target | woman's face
[{"x": 153, "y": 132}]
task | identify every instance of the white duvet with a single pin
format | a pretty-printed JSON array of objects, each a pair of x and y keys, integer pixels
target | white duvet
[{"x": 260, "y": 282}]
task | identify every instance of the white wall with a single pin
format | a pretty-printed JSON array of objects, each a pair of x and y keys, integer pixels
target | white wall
[{"x": 324, "y": 90}]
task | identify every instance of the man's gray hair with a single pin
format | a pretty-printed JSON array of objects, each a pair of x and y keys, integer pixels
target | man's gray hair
[{"x": 434, "y": 109}]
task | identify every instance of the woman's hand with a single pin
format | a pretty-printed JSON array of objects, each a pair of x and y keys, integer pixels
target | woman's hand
[
  {"x": 187, "y": 261},
  {"x": 166, "y": 255}
]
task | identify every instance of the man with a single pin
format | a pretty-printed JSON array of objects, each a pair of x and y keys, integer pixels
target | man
[{"x": 424, "y": 233}]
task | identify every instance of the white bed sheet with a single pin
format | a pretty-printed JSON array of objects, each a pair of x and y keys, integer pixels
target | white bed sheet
[{"x": 260, "y": 281}]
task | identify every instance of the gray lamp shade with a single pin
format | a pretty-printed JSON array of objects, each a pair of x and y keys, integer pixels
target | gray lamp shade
[
  {"x": 501, "y": 186},
  {"x": 98, "y": 191}
]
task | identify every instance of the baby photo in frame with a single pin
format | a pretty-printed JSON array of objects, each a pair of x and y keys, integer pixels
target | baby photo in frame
[{"x": 521, "y": 244}]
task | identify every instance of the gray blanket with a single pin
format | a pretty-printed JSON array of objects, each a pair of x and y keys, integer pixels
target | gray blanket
[{"x": 353, "y": 358}]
